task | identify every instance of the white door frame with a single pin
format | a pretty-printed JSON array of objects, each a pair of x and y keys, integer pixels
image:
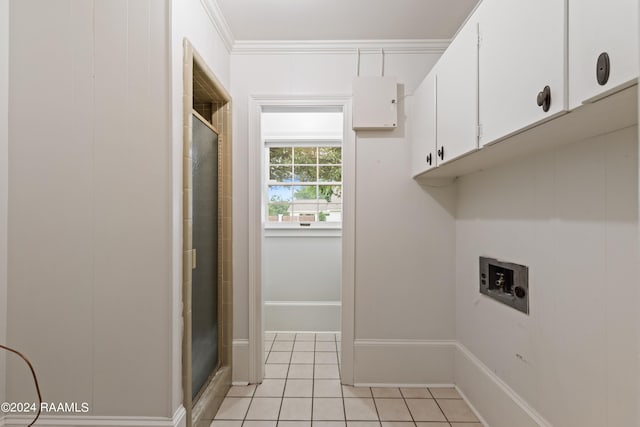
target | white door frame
[{"x": 256, "y": 174}]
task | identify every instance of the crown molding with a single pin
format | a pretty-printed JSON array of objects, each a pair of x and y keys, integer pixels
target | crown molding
[
  {"x": 219, "y": 23},
  {"x": 286, "y": 47}
]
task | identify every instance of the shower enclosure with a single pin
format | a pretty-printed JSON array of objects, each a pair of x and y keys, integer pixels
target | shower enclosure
[
  {"x": 204, "y": 297},
  {"x": 207, "y": 279}
]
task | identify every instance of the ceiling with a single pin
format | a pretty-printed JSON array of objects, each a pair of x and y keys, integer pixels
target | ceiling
[{"x": 344, "y": 19}]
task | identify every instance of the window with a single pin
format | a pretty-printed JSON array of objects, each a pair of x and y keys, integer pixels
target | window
[{"x": 304, "y": 182}]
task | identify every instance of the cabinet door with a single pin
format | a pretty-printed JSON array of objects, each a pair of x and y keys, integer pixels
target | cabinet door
[
  {"x": 457, "y": 120},
  {"x": 423, "y": 126},
  {"x": 597, "y": 27},
  {"x": 522, "y": 50}
]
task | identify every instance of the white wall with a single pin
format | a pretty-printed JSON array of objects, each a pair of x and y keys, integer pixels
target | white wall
[
  {"x": 404, "y": 255},
  {"x": 302, "y": 275},
  {"x": 571, "y": 215},
  {"x": 4, "y": 176},
  {"x": 190, "y": 20},
  {"x": 90, "y": 242}
]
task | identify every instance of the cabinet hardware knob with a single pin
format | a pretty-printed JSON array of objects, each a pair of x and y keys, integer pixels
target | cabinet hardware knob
[
  {"x": 603, "y": 67},
  {"x": 441, "y": 153},
  {"x": 429, "y": 159},
  {"x": 544, "y": 98}
]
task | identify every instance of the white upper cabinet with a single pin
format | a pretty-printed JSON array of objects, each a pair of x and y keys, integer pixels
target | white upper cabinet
[
  {"x": 522, "y": 52},
  {"x": 422, "y": 126},
  {"x": 602, "y": 28},
  {"x": 457, "y": 120}
]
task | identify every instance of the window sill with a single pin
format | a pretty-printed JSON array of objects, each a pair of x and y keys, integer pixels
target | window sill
[{"x": 298, "y": 231}]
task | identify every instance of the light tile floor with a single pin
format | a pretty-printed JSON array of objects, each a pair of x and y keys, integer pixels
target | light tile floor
[{"x": 302, "y": 389}]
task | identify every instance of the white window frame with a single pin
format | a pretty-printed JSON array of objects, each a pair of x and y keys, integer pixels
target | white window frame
[{"x": 296, "y": 142}]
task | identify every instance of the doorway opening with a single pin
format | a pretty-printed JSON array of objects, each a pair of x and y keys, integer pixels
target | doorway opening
[
  {"x": 207, "y": 252},
  {"x": 302, "y": 235}
]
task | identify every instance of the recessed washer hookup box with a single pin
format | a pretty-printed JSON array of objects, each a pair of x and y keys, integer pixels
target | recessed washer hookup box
[{"x": 505, "y": 282}]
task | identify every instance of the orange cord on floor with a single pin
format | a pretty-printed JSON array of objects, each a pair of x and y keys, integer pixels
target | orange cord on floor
[{"x": 35, "y": 380}]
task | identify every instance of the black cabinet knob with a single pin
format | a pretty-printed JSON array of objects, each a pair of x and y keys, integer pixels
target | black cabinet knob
[
  {"x": 603, "y": 67},
  {"x": 544, "y": 98},
  {"x": 429, "y": 159},
  {"x": 441, "y": 153}
]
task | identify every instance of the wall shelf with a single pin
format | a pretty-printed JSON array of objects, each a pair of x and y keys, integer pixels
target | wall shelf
[{"x": 616, "y": 111}]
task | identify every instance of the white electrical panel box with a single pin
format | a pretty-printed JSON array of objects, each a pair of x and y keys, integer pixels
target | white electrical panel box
[{"x": 375, "y": 103}]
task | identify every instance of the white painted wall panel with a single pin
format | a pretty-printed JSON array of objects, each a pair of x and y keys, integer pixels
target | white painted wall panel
[
  {"x": 303, "y": 270},
  {"x": 132, "y": 208},
  {"x": 4, "y": 176},
  {"x": 571, "y": 215},
  {"x": 404, "y": 236},
  {"x": 90, "y": 212},
  {"x": 50, "y": 254}
]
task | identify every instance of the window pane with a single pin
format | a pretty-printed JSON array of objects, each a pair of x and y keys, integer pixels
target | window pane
[
  {"x": 280, "y": 155},
  {"x": 330, "y": 174},
  {"x": 330, "y": 193},
  {"x": 280, "y": 173},
  {"x": 279, "y": 211},
  {"x": 331, "y": 212},
  {"x": 330, "y": 155},
  {"x": 306, "y": 174},
  {"x": 305, "y": 155},
  {"x": 317, "y": 193},
  {"x": 280, "y": 193},
  {"x": 305, "y": 211},
  {"x": 305, "y": 192}
]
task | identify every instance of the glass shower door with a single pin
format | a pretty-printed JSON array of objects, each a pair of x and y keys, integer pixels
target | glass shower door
[{"x": 204, "y": 297}]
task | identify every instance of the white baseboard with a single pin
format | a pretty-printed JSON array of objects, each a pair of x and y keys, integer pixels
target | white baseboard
[
  {"x": 302, "y": 315},
  {"x": 488, "y": 395},
  {"x": 406, "y": 362},
  {"x": 240, "y": 361},
  {"x": 472, "y": 406},
  {"x": 404, "y": 385},
  {"x": 178, "y": 420}
]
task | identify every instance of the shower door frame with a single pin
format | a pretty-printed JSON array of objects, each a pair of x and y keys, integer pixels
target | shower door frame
[{"x": 209, "y": 399}]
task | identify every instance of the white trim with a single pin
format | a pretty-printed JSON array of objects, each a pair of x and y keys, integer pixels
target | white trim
[
  {"x": 297, "y": 331},
  {"x": 305, "y": 140},
  {"x": 256, "y": 171},
  {"x": 471, "y": 406},
  {"x": 178, "y": 420},
  {"x": 401, "y": 342},
  {"x": 303, "y": 303},
  {"x": 219, "y": 23},
  {"x": 240, "y": 383},
  {"x": 406, "y": 385},
  {"x": 287, "y": 231},
  {"x": 256, "y": 155},
  {"x": 348, "y": 247},
  {"x": 286, "y": 47},
  {"x": 240, "y": 362},
  {"x": 499, "y": 392}
]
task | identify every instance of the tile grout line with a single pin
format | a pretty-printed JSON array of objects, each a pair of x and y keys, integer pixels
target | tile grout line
[
  {"x": 439, "y": 407},
  {"x": 404, "y": 399},
  {"x": 313, "y": 379},
  {"x": 286, "y": 379},
  {"x": 248, "y": 407},
  {"x": 344, "y": 406}
]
